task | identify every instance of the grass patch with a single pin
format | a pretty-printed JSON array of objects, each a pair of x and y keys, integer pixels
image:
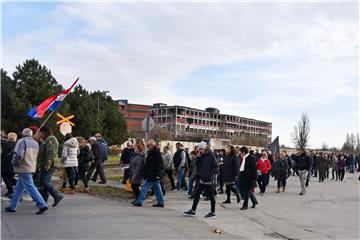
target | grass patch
[
  {"x": 114, "y": 178},
  {"x": 110, "y": 192},
  {"x": 113, "y": 159}
]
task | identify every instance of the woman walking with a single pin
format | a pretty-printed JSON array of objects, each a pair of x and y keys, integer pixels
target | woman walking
[
  {"x": 263, "y": 166},
  {"x": 322, "y": 167},
  {"x": 85, "y": 157},
  {"x": 7, "y": 170},
  {"x": 341, "y": 167},
  {"x": 334, "y": 167},
  {"x": 69, "y": 159},
  {"x": 229, "y": 173},
  {"x": 280, "y": 170},
  {"x": 137, "y": 167}
]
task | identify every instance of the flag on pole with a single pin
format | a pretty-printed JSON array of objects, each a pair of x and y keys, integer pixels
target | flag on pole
[
  {"x": 274, "y": 146},
  {"x": 50, "y": 103}
]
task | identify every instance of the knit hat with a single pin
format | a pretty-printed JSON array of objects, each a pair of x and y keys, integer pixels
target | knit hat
[{"x": 202, "y": 145}]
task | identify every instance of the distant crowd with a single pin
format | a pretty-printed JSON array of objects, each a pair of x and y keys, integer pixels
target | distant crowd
[{"x": 201, "y": 172}]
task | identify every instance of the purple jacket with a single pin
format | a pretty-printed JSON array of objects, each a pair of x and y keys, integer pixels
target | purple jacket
[{"x": 341, "y": 164}]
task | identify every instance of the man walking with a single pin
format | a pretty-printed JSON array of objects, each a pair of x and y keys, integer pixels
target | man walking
[
  {"x": 303, "y": 164},
  {"x": 24, "y": 159},
  {"x": 47, "y": 161},
  {"x": 153, "y": 171},
  {"x": 168, "y": 165},
  {"x": 104, "y": 153},
  {"x": 206, "y": 166},
  {"x": 180, "y": 164},
  {"x": 98, "y": 163}
]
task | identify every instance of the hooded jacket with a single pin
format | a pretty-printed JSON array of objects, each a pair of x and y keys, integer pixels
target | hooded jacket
[{"x": 70, "y": 152}]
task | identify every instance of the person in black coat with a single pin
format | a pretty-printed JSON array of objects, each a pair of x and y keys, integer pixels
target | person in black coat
[
  {"x": 84, "y": 158},
  {"x": 230, "y": 173},
  {"x": 206, "y": 167},
  {"x": 98, "y": 163},
  {"x": 7, "y": 171},
  {"x": 153, "y": 172},
  {"x": 247, "y": 176}
]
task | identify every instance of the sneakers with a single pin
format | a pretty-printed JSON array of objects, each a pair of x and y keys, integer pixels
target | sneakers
[
  {"x": 41, "y": 210},
  {"x": 58, "y": 200},
  {"x": 190, "y": 213},
  {"x": 7, "y": 209},
  {"x": 158, "y": 205},
  {"x": 210, "y": 215}
]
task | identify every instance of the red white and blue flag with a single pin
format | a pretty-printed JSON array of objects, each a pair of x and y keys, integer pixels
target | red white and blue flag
[{"x": 50, "y": 104}]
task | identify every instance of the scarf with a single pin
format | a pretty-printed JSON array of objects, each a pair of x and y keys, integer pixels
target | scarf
[{"x": 242, "y": 167}]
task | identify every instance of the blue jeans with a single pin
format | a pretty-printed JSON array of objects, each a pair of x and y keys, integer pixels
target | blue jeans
[
  {"x": 71, "y": 173},
  {"x": 25, "y": 183},
  {"x": 181, "y": 182},
  {"x": 145, "y": 189},
  {"x": 45, "y": 183}
]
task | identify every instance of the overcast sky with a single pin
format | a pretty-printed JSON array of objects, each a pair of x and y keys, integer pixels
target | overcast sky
[{"x": 269, "y": 61}]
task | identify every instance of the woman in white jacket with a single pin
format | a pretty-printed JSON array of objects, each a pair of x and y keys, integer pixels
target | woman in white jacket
[{"x": 69, "y": 159}]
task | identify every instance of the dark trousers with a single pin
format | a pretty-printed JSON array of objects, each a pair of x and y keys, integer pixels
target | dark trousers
[
  {"x": 246, "y": 195},
  {"x": 99, "y": 166},
  {"x": 230, "y": 188},
  {"x": 281, "y": 182},
  {"x": 9, "y": 181},
  {"x": 126, "y": 175},
  {"x": 209, "y": 190},
  {"x": 46, "y": 186},
  {"x": 81, "y": 175},
  {"x": 262, "y": 182},
  {"x": 220, "y": 179},
  {"x": 170, "y": 175},
  {"x": 341, "y": 174},
  {"x": 196, "y": 186},
  {"x": 136, "y": 189}
]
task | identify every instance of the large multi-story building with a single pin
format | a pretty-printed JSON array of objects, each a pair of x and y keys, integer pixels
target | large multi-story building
[
  {"x": 186, "y": 122},
  {"x": 134, "y": 115}
]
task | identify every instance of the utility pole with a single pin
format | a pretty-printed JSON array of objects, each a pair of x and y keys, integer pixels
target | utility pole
[{"x": 98, "y": 109}]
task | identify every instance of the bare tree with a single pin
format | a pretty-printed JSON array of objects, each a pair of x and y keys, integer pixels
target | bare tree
[{"x": 301, "y": 132}]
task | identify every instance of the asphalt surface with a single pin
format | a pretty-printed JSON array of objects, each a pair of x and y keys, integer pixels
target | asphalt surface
[{"x": 329, "y": 210}]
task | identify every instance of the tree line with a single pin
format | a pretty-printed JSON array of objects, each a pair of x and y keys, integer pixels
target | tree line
[{"x": 32, "y": 83}]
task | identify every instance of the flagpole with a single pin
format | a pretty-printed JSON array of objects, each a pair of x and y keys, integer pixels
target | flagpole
[{"x": 47, "y": 119}]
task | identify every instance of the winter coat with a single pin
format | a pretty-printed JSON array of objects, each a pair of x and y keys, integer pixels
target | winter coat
[
  {"x": 154, "y": 166},
  {"x": 104, "y": 149},
  {"x": 84, "y": 158},
  {"x": 247, "y": 178},
  {"x": 303, "y": 162},
  {"x": 7, "y": 152},
  {"x": 70, "y": 152},
  {"x": 264, "y": 166},
  {"x": 168, "y": 161},
  {"x": 280, "y": 168},
  {"x": 127, "y": 155},
  {"x": 96, "y": 150},
  {"x": 229, "y": 168},
  {"x": 206, "y": 167},
  {"x": 48, "y": 153},
  {"x": 321, "y": 166},
  {"x": 334, "y": 163},
  {"x": 26, "y": 152},
  {"x": 137, "y": 164},
  {"x": 341, "y": 164}
]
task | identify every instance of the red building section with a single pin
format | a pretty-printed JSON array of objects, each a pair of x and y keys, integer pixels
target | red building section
[{"x": 134, "y": 115}]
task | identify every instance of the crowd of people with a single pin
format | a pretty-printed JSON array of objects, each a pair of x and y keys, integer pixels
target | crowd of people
[
  {"x": 35, "y": 158},
  {"x": 201, "y": 172}
]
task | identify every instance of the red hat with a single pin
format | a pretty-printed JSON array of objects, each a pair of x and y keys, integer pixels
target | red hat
[{"x": 34, "y": 128}]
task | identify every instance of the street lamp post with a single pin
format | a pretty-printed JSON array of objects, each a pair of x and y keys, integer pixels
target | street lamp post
[{"x": 98, "y": 109}]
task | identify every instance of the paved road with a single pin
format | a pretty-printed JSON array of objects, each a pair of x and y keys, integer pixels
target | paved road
[{"x": 329, "y": 210}]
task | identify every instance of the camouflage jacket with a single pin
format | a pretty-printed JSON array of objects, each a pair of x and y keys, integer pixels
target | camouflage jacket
[{"x": 48, "y": 153}]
